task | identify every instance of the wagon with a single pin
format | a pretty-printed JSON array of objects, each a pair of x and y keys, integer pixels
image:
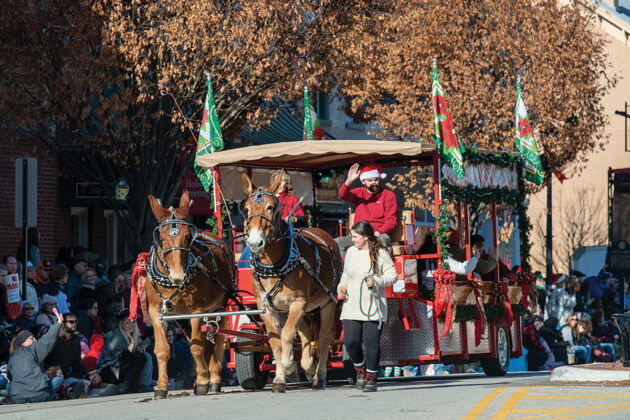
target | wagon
[{"x": 467, "y": 319}]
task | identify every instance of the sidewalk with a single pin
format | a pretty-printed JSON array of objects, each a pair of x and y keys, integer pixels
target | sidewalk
[{"x": 594, "y": 372}]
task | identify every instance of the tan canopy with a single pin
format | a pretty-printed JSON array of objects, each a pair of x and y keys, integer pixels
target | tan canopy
[{"x": 317, "y": 155}]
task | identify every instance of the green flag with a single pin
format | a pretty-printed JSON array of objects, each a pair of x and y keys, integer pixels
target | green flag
[
  {"x": 446, "y": 138},
  {"x": 209, "y": 139},
  {"x": 525, "y": 141},
  {"x": 308, "y": 123}
]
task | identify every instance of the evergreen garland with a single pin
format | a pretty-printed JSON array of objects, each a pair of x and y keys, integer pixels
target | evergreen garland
[
  {"x": 441, "y": 235},
  {"x": 498, "y": 195},
  {"x": 228, "y": 208}
]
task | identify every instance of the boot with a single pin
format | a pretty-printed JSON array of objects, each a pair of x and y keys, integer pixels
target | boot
[
  {"x": 370, "y": 382},
  {"x": 360, "y": 376}
]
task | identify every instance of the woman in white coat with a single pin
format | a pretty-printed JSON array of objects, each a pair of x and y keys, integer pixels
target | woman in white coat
[{"x": 368, "y": 269}]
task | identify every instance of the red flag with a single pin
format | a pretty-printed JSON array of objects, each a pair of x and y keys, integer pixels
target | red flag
[{"x": 560, "y": 176}]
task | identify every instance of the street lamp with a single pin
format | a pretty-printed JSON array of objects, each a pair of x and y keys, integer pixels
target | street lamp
[{"x": 122, "y": 190}]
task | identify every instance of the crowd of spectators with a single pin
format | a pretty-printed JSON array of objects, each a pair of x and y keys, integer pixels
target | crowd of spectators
[
  {"x": 573, "y": 322},
  {"x": 73, "y": 338}
]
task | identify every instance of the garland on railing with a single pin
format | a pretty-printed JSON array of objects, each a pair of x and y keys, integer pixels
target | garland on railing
[
  {"x": 441, "y": 235},
  {"x": 494, "y": 313},
  {"x": 516, "y": 199}
]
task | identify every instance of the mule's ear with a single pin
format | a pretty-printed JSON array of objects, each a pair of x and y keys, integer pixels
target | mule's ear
[
  {"x": 248, "y": 185},
  {"x": 185, "y": 202},
  {"x": 158, "y": 211}
]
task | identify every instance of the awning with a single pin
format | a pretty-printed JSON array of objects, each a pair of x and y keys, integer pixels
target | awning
[{"x": 318, "y": 154}]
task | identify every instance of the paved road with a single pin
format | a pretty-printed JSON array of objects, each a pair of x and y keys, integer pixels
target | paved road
[{"x": 516, "y": 396}]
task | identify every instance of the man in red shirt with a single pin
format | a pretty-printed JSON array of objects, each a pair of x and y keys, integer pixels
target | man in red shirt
[{"x": 373, "y": 203}]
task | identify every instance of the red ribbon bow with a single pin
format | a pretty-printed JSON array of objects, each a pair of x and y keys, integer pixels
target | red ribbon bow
[{"x": 444, "y": 298}]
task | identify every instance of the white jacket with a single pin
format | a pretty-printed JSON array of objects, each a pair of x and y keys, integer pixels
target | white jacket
[
  {"x": 559, "y": 305},
  {"x": 356, "y": 267}
]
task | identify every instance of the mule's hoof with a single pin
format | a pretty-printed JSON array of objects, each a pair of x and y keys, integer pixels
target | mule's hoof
[
  {"x": 201, "y": 389},
  {"x": 159, "y": 394},
  {"x": 321, "y": 384},
  {"x": 215, "y": 388},
  {"x": 278, "y": 388}
]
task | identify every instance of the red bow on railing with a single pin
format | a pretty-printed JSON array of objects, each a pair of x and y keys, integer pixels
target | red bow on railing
[
  {"x": 527, "y": 281},
  {"x": 138, "y": 279},
  {"x": 481, "y": 321},
  {"x": 444, "y": 298},
  {"x": 501, "y": 298}
]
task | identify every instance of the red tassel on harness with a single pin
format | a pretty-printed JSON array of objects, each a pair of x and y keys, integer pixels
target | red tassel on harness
[{"x": 138, "y": 278}]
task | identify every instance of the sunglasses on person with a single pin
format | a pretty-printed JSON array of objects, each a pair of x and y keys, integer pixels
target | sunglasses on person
[
  {"x": 29, "y": 309},
  {"x": 72, "y": 321},
  {"x": 574, "y": 319}
]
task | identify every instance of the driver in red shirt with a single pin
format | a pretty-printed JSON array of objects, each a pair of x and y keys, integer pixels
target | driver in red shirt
[{"x": 373, "y": 203}]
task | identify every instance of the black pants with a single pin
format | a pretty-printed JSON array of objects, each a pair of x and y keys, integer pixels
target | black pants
[
  {"x": 367, "y": 331},
  {"x": 535, "y": 359},
  {"x": 131, "y": 364}
]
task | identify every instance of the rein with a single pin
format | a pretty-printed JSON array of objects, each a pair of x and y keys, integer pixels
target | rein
[{"x": 374, "y": 294}]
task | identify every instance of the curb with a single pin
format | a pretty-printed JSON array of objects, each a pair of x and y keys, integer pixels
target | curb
[{"x": 583, "y": 374}]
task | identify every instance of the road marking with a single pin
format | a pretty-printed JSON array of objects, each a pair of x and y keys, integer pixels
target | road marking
[
  {"x": 483, "y": 404},
  {"x": 555, "y": 411},
  {"x": 591, "y": 412},
  {"x": 511, "y": 402},
  {"x": 560, "y": 397}
]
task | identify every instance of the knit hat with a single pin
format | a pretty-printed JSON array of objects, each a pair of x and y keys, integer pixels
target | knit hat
[
  {"x": 371, "y": 171},
  {"x": 22, "y": 337},
  {"x": 29, "y": 265},
  {"x": 122, "y": 314},
  {"x": 45, "y": 264},
  {"x": 46, "y": 298},
  {"x": 453, "y": 237}
]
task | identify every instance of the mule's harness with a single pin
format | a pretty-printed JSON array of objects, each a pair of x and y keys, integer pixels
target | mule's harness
[
  {"x": 193, "y": 262},
  {"x": 291, "y": 259}
]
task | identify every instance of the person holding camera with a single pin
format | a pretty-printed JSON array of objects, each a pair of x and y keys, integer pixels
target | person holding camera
[
  {"x": 123, "y": 360},
  {"x": 368, "y": 269}
]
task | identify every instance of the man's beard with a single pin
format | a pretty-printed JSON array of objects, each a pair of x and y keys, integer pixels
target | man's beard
[{"x": 374, "y": 188}]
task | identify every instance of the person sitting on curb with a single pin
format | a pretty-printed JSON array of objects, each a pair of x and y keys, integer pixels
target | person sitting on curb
[{"x": 28, "y": 383}]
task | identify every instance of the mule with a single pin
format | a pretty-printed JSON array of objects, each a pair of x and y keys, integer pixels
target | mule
[
  {"x": 190, "y": 273},
  {"x": 295, "y": 274}
]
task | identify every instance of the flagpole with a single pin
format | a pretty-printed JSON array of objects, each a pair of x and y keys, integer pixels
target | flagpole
[{"x": 439, "y": 156}]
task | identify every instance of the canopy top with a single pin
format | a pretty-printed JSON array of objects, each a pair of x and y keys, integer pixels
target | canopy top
[{"x": 317, "y": 155}]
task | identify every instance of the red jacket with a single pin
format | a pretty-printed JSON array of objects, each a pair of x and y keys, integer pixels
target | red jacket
[
  {"x": 287, "y": 202},
  {"x": 378, "y": 209}
]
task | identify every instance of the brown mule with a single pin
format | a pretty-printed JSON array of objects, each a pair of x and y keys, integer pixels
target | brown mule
[
  {"x": 294, "y": 274},
  {"x": 190, "y": 273}
]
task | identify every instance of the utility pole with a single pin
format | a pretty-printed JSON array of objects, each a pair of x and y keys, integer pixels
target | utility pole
[{"x": 549, "y": 238}]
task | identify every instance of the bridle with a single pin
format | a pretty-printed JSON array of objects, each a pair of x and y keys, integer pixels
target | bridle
[
  {"x": 259, "y": 198},
  {"x": 191, "y": 261},
  {"x": 174, "y": 232}
]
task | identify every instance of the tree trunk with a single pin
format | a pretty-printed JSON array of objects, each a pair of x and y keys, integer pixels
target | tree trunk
[{"x": 549, "y": 229}]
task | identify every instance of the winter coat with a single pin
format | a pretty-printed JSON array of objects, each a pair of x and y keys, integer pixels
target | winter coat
[
  {"x": 359, "y": 304},
  {"x": 559, "y": 305},
  {"x": 25, "y": 372}
]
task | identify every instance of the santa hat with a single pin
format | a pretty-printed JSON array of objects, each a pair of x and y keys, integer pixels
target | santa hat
[
  {"x": 371, "y": 171},
  {"x": 558, "y": 278}
]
